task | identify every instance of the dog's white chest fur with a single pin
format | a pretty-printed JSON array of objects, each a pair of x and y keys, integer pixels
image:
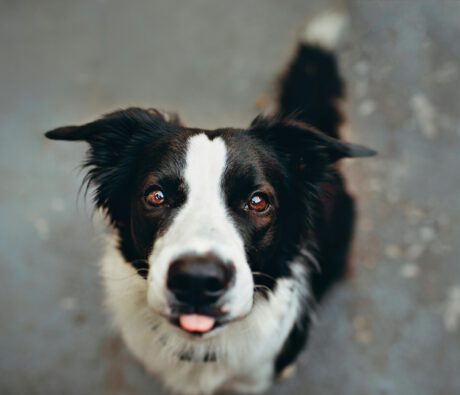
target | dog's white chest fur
[{"x": 239, "y": 357}]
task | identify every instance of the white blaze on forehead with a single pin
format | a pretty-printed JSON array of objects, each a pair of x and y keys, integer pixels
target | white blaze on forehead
[
  {"x": 203, "y": 224},
  {"x": 205, "y": 165}
]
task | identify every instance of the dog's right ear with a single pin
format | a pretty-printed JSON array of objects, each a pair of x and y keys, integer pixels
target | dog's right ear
[{"x": 115, "y": 140}]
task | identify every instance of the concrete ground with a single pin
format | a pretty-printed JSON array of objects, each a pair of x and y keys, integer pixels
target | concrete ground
[{"x": 393, "y": 328}]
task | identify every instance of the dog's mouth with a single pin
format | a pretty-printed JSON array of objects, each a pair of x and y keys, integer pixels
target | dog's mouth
[
  {"x": 197, "y": 320},
  {"x": 200, "y": 320},
  {"x": 196, "y": 324}
]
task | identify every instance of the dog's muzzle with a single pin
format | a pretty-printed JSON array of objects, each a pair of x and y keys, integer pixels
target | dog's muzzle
[{"x": 197, "y": 285}]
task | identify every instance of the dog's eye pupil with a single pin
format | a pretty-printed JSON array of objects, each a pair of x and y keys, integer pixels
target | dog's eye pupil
[
  {"x": 258, "y": 203},
  {"x": 155, "y": 198}
]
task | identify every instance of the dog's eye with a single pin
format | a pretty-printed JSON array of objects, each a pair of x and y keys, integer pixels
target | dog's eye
[
  {"x": 258, "y": 202},
  {"x": 155, "y": 197}
]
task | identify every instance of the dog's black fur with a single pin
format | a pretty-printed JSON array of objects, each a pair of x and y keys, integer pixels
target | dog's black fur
[{"x": 311, "y": 92}]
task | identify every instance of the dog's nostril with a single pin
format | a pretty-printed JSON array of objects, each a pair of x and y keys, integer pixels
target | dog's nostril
[
  {"x": 199, "y": 280},
  {"x": 178, "y": 282},
  {"x": 213, "y": 285}
]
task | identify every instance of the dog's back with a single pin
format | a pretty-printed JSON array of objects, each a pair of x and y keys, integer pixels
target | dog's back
[{"x": 311, "y": 91}]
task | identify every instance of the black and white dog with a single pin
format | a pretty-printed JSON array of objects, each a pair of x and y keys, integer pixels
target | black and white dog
[{"x": 223, "y": 239}]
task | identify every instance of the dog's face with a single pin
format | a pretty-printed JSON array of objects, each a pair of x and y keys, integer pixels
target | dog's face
[{"x": 207, "y": 217}]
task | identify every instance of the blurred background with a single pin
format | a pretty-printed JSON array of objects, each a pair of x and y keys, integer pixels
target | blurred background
[{"x": 392, "y": 328}]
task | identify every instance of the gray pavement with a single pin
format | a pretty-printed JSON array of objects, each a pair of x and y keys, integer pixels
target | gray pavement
[{"x": 392, "y": 328}]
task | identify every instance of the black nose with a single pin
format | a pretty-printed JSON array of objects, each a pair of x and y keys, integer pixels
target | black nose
[{"x": 199, "y": 280}]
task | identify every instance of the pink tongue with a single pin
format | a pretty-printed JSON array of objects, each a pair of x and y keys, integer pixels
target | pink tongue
[{"x": 196, "y": 323}]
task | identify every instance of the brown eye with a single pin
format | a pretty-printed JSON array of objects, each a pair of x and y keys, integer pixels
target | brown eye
[
  {"x": 258, "y": 202},
  {"x": 155, "y": 198}
]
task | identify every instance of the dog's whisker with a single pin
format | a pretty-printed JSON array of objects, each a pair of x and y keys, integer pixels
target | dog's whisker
[
  {"x": 263, "y": 275},
  {"x": 139, "y": 271},
  {"x": 262, "y": 288},
  {"x": 121, "y": 278}
]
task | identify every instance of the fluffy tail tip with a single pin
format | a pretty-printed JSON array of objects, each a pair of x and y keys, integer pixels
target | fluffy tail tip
[{"x": 326, "y": 30}]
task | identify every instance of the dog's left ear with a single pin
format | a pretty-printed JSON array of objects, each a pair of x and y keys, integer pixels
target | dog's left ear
[{"x": 304, "y": 142}]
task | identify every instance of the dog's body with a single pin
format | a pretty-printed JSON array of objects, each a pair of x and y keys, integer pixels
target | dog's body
[{"x": 223, "y": 239}]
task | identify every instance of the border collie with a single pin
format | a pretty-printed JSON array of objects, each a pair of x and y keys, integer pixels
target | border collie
[{"x": 224, "y": 240}]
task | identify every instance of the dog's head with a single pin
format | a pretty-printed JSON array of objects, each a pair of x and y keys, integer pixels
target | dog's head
[{"x": 207, "y": 217}]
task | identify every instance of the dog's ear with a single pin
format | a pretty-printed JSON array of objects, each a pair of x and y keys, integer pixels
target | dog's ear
[
  {"x": 117, "y": 127},
  {"x": 304, "y": 142},
  {"x": 114, "y": 141}
]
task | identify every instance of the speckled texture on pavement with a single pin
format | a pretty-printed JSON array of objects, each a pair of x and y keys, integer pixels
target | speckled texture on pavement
[{"x": 393, "y": 328}]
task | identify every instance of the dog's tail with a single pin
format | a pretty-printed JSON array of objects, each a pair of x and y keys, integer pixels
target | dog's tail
[{"x": 311, "y": 88}]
